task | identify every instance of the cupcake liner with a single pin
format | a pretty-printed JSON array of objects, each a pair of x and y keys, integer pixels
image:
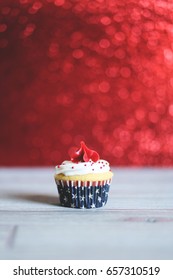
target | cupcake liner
[{"x": 78, "y": 194}]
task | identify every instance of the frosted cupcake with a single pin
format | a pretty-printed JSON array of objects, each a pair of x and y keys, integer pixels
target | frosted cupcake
[{"x": 83, "y": 181}]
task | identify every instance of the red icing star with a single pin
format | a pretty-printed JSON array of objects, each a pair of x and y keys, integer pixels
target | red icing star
[{"x": 84, "y": 154}]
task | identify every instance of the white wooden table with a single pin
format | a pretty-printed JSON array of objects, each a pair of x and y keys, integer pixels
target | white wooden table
[{"x": 136, "y": 223}]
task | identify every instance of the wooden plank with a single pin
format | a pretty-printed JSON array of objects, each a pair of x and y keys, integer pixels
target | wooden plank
[
  {"x": 137, "y": 222},
  {"x": 35, "y": 190},
  {"x": 104, "y": 235}
]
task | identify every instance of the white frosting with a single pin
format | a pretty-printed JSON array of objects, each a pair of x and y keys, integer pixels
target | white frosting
[{"x": 69, "y": 168}]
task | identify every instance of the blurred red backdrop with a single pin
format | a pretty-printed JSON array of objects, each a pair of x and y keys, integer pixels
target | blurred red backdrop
[{"x": 99, "y": 71}]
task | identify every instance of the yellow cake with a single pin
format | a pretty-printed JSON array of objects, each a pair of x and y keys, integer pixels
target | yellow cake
[{"x": 85, "y": 177}]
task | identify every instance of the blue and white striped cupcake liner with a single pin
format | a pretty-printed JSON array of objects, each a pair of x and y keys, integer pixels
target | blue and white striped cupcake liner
[{"x": 83, "y": 194}]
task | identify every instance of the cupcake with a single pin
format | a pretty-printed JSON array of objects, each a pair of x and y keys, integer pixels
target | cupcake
[{"x": 83, "y": 181}]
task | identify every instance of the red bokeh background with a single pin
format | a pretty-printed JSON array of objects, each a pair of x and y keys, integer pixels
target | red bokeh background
[{"x": 99, "y": 71}]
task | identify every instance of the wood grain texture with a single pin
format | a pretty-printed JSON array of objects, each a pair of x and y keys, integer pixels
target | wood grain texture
[{"x": 136, "y": 223}]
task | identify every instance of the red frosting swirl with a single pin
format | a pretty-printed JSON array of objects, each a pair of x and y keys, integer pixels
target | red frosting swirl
[{"x": 84, "y": 154}]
